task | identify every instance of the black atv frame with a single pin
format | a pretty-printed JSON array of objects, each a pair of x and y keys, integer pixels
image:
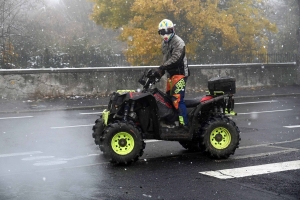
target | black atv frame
[{"x": 131, "y": 117}]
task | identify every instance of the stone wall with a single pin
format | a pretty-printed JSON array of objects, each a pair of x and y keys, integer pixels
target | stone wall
[{"x": 100, "y": 81}]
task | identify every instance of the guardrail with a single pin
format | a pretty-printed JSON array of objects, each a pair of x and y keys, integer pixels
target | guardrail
[
  {"x": 60, "y": 60},
  {"x": 89, "y": 69},
  {"x": 62, "y": 82}
]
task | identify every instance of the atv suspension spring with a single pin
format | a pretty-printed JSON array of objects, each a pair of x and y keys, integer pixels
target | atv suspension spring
[
  {"x": 126, "y": 109},
  {"x": 218, "y": 109},
  {"x": 132, "y": 106},
  {"x": 132, "y": 114}
]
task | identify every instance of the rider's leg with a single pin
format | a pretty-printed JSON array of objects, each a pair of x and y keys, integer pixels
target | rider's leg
[{"x": 178, "y": 91}]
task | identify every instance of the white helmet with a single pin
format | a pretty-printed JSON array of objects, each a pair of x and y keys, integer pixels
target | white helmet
[{"x": 166, "y": 29}]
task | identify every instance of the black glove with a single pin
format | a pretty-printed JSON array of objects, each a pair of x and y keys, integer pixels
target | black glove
[
  {"x": 162, "y": 68},
  {"x": 156, "y": 74},
  {"x": 159, "y": 72}
]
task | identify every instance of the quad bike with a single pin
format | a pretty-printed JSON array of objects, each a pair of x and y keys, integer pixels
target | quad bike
[{"x": 132, "y": 116}]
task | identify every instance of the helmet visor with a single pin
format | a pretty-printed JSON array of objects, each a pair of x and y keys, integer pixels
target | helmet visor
[{"x": 164, "y": 31}]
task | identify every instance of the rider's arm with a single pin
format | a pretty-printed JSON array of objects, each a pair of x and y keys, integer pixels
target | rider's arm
[{"x": 178, "y": 53}]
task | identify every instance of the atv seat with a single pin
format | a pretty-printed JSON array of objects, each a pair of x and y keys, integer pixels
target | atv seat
[{"x": 189, "y": 103}]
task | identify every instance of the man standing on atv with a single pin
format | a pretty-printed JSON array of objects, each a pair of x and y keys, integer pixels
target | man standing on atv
[{"x": 175, "y": 64}]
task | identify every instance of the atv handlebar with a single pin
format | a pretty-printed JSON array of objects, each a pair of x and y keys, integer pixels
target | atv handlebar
[{"x": 148, "y": 79}]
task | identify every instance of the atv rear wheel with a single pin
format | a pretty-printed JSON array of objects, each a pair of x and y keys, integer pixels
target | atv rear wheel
[
  {"x": 122, "y": 143},
  {"x": 220, "y": 137}
]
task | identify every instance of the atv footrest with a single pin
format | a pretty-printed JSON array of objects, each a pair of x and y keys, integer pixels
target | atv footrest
[
  {"x": 175, "y": 137},
  {"x": 168, "y": 135}
]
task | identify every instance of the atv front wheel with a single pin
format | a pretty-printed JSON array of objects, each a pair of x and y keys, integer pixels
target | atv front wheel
[
  {"x": 220, "y": 137},
  {"x": 122, "y": 143},
  {"x": 97, "y": 130}
]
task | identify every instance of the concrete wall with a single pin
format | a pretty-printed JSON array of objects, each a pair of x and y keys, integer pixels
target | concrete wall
[{"x": 39, "y": 83}]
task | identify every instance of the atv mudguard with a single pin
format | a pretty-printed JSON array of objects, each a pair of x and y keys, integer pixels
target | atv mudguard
[
  {"x": 148, "y": 114},
  {"x": 146, "y": 111},
  {"x": 204, "y": 105},
  {"x": 118, "y": 98}
]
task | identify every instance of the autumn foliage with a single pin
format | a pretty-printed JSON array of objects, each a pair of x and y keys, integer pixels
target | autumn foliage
[{"x": 207, "y": 26}]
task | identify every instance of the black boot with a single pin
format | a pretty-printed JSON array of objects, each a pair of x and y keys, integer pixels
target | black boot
[{"x": 164, "y": 124}]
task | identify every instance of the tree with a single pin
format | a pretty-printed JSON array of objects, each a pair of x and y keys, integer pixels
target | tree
[
  {"x": 54, "y": 30},
  {"x": 11, "y": 18},
  {"x": 206, "y": 26},
  {"x": 8, "y": 56},
  {"x": 285, "y": 15}
]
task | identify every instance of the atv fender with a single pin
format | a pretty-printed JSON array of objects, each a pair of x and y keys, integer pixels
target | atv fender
[{"x": 193, "y": 114}]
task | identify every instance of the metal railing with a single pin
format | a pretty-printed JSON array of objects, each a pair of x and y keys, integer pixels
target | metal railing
[
  {"x": 69, "y": 61},
  {"x": 244, "y": 58}
]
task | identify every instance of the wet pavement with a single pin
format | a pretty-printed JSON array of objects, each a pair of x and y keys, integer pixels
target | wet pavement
[
  {"x": 51, "y": 155},
  {"x": 83, "y": 102}
]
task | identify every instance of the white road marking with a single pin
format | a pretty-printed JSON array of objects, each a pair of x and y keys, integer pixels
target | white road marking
[
  {"x": 93, "y": 113},
  {"x": 253, "y": 170},
  {"x": 268, "y": 144},
  {"x": 272, "y": 101},
  {"x": 149, "y": 141},
  {"x": 271, "y": 111},
  {"x": 295, "y": 126},
  {"x": 263, "y": 154},
  {"x": 59, "y": 161},
  {"x": 19, "y": 154},
  {"x": 79, "y": 157},
  {"x": 37, "y": 158},
  {"x": 21, "y": 117},
  {"x": 51, "y": 162},
  {"x": 76, "y": 126},
  {"x": 271, "y": 145}
]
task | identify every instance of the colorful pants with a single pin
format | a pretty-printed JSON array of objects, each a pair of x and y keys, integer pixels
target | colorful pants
[{"x": 176, "y": 89}]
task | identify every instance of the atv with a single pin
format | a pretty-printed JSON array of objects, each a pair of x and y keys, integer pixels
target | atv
[{"x": 133, "y": 116}]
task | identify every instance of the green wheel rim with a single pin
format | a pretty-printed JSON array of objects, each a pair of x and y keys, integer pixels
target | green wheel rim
[
  {"x": 220, "y": 138},
  {"x": 122, "y": 143}
]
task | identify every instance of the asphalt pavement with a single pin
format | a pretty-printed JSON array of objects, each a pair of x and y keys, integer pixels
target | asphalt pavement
[{"x": 87, "y": 102}]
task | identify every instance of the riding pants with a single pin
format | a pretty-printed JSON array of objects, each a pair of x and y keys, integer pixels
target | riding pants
[{"x": 176, "y": 89}]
